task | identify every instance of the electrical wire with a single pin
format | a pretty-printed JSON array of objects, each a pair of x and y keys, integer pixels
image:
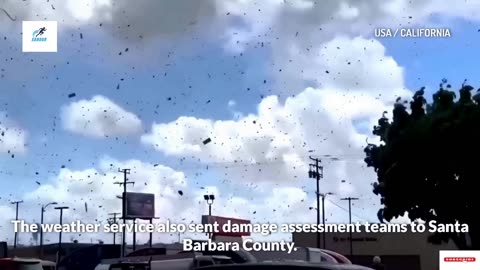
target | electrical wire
[
  {"x": 346, "y": 210},
  {"x": 246, "y": 163}
]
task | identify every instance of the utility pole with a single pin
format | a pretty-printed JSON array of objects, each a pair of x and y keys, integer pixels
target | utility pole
[
  {"x": 124, "y": 203},
  {"x": 350, "y": 199},
  {"x": 150, "y": 235},
  {"x": 114, "y": 221},
  {"x": 44, "y": 208},
  {"x": 134, "y": 235},
  {"x": 323, "y": 216},
  {"x": 150, "y": 240},
  {"x": 317, "y": 174},
  {"x": 16, "y": 218}
]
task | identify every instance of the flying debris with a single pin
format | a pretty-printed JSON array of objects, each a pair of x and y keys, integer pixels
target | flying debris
[
  {"x": 207, "y": 141},
  {"x": 72, "y": 95},
  {"x": 180, "y": 192},
  {"x": 8, "y": 15},
  {"x": 38, "y": 183},
  {"x": 86, "y": 207}
]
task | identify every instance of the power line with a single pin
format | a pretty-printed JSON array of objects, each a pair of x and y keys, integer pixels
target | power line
[
  {"x": 230, "y": 164},
  {"x": 247, "y": 164},
  {"x": 346, "y": 210}
]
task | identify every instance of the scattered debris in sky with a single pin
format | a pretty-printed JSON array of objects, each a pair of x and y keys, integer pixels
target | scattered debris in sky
[{"x": 8, "y": 15}]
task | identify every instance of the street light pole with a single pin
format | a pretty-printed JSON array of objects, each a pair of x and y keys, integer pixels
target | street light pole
[
  {"x": 16, "y": 218},
  {"x": 61, "y": 208},
  {"x": 209, "y": 199},
  {"x": 44, "y": 207}
]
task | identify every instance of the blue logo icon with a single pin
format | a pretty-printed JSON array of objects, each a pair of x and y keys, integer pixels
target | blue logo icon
[{"x": 37, "y": 33}]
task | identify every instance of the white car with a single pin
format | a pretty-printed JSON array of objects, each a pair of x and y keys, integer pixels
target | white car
[{"x": 16, "y": 263}]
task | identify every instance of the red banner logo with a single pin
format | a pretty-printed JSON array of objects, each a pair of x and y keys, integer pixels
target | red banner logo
[{"x": 459, "y": 259}]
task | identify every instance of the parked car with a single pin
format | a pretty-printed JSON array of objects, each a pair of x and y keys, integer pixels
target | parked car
[
  {"x": 307, "y": 254},
  {"x": 48, "y": 265},
  {"x": 338, "y": 257},
  {"x": 285, "y": 266},
  {"x": 16, "y": 263}
]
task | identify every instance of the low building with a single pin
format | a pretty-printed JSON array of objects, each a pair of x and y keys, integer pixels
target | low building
[{"x": 397, "y": 250}]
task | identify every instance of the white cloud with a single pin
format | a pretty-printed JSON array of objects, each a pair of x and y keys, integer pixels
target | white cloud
[
  {"x": 350, "y": 64},
  {"x": 99, "y": 117},
  {"x": 12, "y": 137},
  {"x": 270, "y": 149}
]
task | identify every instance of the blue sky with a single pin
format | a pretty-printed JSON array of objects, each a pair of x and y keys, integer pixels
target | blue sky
[
  {"x": 427, "y": 61},
  {"x": 220, "y": 76}
]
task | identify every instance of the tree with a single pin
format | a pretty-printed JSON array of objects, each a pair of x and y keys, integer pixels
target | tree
[{"x": 426, "y": 163}]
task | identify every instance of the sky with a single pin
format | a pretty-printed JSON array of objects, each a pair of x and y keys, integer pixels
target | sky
[{"x": 269, "y": 82}]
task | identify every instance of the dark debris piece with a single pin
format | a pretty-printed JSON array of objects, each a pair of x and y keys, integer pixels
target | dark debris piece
[
  {"x": 207, "y": 141},
  {"x": 72, "y": 95}
]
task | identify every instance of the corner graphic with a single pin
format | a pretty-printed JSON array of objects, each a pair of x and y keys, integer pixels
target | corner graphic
[
  {"x": 459, "y": 259},
  {"x": 39, "y": 36}
]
